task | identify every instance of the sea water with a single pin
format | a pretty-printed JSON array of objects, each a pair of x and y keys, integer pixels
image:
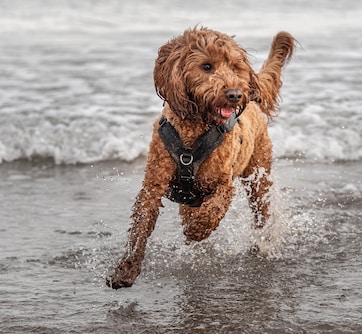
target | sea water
[
  {"x": 77, "y": 104},
  {"x": 76, "y": 77}
]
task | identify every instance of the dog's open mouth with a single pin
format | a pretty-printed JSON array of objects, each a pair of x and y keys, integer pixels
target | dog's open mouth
[{"x": 225, "y": 112}]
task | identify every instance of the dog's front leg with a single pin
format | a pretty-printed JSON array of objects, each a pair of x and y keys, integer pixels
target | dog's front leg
[
  {"x": 158, "y": 173},
  {"x": 200, "y": 222},
  {"x": 145, "y": 213}
]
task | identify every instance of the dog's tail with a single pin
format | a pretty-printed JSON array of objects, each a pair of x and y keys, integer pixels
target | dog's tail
[{"x": 269, "y": 76}]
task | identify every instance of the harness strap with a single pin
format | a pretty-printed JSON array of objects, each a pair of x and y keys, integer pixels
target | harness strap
[{"x": 189, "y": 159}]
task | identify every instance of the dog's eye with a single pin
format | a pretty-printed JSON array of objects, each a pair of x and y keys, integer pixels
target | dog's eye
[{"x": 207, "y": 67}]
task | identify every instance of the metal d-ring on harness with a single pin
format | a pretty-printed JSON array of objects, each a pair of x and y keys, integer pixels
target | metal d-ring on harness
[{"x": 188, "y": 159}]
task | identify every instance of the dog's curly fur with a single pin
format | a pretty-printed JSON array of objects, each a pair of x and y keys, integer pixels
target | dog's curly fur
[{"x": 192, "y": 74}]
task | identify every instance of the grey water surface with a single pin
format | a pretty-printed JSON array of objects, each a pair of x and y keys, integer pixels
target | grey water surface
[{"x": 76, "y": 109}]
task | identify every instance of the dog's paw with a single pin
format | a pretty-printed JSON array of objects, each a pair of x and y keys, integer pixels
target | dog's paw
[
  {"x": 116, "y": 282},
  {"x": 122, "y": 278}
]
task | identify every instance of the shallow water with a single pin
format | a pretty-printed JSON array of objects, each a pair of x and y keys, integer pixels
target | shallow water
[
  {"x": 76, "y": 87},
  {"x": 63, "y": 228}
]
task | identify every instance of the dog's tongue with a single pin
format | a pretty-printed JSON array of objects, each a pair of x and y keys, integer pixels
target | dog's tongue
[{"x": 226, "y": 112}]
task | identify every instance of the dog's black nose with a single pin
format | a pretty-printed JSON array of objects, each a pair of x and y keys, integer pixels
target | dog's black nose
[{"x": 233, "y": 95}]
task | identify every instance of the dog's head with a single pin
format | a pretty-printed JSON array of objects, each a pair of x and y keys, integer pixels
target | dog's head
[{"x": 204, "y": 74}]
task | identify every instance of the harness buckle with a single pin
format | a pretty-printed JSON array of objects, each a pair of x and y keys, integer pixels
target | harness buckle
[{"x": 186, "y": 159}]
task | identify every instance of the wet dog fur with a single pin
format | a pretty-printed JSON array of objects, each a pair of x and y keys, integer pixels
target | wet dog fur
[{"x": 194, "y": 73}]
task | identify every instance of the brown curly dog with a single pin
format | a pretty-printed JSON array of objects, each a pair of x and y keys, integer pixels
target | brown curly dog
[{"x": 213, "y": 129}]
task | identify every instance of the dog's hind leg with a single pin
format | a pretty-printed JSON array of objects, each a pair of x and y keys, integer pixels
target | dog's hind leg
[
  {"x": 257, "y": 186},
  {"x": 257, "y": 181}
]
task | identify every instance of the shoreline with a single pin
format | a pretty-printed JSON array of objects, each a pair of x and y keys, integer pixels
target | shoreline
[{"x": 137, "y": 166}]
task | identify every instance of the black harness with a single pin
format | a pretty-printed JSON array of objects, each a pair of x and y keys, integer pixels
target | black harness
[{"x": 183, "y": 188}]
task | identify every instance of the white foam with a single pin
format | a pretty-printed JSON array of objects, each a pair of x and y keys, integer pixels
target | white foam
[{"x": 77, "y": 86}]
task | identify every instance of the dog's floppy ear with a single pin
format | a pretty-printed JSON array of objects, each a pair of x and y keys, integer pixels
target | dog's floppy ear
[
  {"x": 254, "y": 88},
  {"x": 168, "y": 76},
  {"x": 260, "y": 95}
]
